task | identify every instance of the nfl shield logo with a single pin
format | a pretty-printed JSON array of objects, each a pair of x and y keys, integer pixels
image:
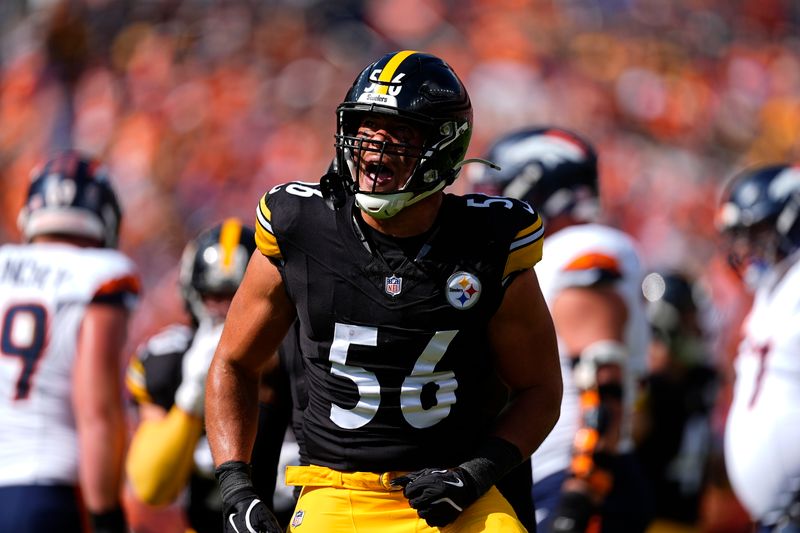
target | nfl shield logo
[
  {"x": 393, "y": 285},
  {"x": 298, "y": 518}
]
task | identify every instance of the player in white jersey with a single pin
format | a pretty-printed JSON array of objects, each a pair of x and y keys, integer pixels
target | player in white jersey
[
  {"x": 65, "y": 298},
  {"x": 591, "y": 277},
  {"x": 760, "y": 217}
]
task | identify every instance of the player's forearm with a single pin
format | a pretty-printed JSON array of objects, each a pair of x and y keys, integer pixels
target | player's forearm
[
  {"x": 231, "y": 410},
  {"x": 516, "y": 425},
  {"x": 102, "y": 445}
]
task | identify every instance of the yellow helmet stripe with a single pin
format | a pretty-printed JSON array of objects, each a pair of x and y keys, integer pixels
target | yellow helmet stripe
[
  {"x": 391, "y": 67},
  {"x": 229, "y": 236}
]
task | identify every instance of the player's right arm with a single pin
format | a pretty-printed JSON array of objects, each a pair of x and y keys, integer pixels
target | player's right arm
[
  {"x": 257, "y": 321},
  {"x": 97, "y": 402}
]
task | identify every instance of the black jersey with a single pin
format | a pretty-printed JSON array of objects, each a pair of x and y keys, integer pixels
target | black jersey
[
  {"x": 154, "y": 373},
  {"x": 396, "y": 353}
]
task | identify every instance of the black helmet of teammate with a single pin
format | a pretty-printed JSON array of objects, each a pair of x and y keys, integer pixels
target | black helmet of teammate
[
  {"x": 71, "y": 195},
  {"x": 759, "y": 215},
  {"x": 670, "y": 297},
  {"x": 679, "y": 312},
  {"x": 553, "y": 169},
  {"x": 423, "y": 90},
  {"x": 213, "y": 263}
]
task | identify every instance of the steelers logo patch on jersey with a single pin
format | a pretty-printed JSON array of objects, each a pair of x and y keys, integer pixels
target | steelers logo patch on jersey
[{"x": 463, "y": 290}]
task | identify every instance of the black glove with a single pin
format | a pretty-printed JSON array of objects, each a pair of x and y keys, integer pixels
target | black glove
[
  {"x": 242, "y": 508},
  {"x": 112, "y": 521},
  {"x": 439, "y": 496},
  {"x": 573, "y": 513}
]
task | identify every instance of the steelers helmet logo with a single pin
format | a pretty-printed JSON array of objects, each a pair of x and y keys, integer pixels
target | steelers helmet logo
[{"x": 463, "y": 290}]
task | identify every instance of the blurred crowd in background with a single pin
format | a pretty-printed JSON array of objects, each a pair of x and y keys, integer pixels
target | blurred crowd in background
[{"x": 200, "y": 106}]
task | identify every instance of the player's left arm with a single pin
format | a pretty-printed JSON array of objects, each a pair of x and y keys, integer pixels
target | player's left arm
[
  {"x": 525, "y": 349},
  {"x": 526, "y": 358},
  {"x": 99, "y": 412}
]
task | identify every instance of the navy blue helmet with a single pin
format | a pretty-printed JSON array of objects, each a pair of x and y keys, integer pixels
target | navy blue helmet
[
  {"x": 71, "y": 195},
  {"x": 759, "y": 215},
  {"x": 553, "y": 169}
]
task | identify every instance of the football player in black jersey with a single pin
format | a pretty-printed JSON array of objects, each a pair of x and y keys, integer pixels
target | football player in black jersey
[
  {"x": 411, "y": 306},
  {"x": 169, "y": 460}
]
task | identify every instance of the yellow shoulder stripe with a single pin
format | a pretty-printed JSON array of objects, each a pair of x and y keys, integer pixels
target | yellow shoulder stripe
[
  {"x": 266, "y": 241},
  {"x": 526, "y": 248},
  {"x": 135, "y": 382}
]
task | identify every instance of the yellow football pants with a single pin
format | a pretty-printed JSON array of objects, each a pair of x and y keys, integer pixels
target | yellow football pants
[{"x": 365, "y": 502}]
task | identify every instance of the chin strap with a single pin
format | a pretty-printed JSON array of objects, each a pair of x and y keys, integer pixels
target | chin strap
[{"x": 382, "y": 206}]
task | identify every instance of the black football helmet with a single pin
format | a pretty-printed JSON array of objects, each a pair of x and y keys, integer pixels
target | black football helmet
[
  {"x": 759, "y": 216},
  {"x": 553, "y": 169},
  {"x": 423, "y": 90},
  {"x": 213, "y": 263},
  {"x": 71, "y": 195}
]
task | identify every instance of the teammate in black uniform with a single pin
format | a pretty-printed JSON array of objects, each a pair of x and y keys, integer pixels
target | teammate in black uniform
[
  {"x": 410, "y": 303},
  {"x": 169, "y": 452}
]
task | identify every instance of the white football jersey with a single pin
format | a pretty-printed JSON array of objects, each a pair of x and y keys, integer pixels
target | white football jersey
[
  {"x": 578, "y": 256},
  {"x": 762, "y": 435},
  {"x": 44, "y": 291}
]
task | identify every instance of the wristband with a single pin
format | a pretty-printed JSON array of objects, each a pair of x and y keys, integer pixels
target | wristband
[
  {"x": 232, "y": 476},
  {"x": 494, "y": 459},
  {"x": 111, "y": 521}
]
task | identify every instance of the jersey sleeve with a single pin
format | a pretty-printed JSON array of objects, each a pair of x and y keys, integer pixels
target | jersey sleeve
[
  {"x": 103, "y": 276},
  {"x": 525, "y": 249},
  {"x": 283, "y": 215},
  {"x": 154, "y": 372},
  {"x": 136, "y": 380},
  {"x": 122, "y": 290},
  {"x": 266, "y": 240}
]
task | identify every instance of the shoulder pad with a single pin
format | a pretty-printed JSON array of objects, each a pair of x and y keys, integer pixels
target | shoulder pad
[
  {"x": 175, "y": 338},
  {"x": 281, "y": 201},
  {"x": 520, "y": 221}
]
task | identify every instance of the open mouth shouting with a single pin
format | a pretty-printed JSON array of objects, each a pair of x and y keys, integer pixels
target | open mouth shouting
[{"x": 378, "y": 174}]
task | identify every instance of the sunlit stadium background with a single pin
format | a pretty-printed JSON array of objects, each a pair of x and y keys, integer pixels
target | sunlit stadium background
[{"x": 200, "y": 106}]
